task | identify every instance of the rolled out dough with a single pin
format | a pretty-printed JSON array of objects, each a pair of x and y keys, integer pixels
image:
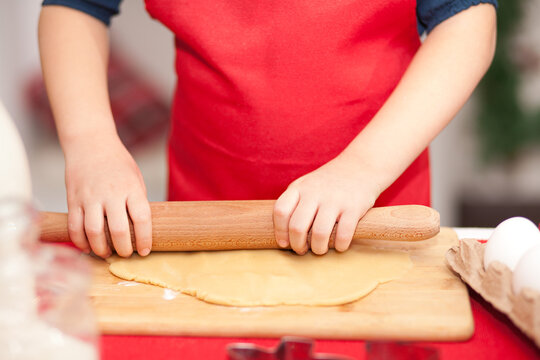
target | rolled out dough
[{"x": 267, "y": 277}]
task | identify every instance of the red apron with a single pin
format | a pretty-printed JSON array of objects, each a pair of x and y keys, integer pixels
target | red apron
[{"x": 270, "y": 90}]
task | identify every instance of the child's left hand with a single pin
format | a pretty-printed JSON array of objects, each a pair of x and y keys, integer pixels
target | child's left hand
[
  {"x": 443, "y": 74},
  {"x": 340, "y": 191}
]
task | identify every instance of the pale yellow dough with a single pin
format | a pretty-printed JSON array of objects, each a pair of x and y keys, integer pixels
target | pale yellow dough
[{"x": 267, "y": 277}]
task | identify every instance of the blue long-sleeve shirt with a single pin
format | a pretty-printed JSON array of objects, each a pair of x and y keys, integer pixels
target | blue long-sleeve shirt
[{"x": 429, "y": 13}]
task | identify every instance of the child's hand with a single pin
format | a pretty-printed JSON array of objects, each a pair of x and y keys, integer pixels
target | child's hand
[
  {"x": 340, "y": 191},
  {"x": 102, "y": 179}
]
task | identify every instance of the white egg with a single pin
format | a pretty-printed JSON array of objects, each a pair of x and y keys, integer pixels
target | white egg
[
  {"x": 510, "y": 240},
  {"x": 527, "y": 271}
]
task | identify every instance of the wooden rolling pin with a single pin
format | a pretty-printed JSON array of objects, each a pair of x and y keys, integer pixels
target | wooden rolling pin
[{"x": 228, "y": 225}]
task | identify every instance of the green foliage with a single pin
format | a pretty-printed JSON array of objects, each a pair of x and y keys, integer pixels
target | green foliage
[{"x": 504, "y": 127}]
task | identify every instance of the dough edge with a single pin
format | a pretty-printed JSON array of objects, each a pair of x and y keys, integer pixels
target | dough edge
[{"x": 116, "y": 268}]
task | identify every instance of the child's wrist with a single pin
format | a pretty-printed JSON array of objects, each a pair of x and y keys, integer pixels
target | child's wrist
[
  {"x": 92, "y": 134},
  {"x": 364, "y": 173}
]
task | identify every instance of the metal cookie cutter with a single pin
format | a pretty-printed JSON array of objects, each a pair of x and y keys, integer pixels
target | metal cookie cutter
[{"x": 289, "y": 348}]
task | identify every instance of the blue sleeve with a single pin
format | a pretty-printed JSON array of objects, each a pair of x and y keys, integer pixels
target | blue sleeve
[
  {"x": 100, "y": 9},
  {"x": 431, "y": 13}
]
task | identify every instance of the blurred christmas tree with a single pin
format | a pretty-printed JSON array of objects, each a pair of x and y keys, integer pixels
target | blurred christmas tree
[{"x": 505, "y": 127}]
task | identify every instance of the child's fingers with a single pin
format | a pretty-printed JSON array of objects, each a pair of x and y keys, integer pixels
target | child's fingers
[
  {"x": 283, "y": 209},
  {"x": 141, "y": 216},
  {"x": 322, "y": 229},
  {"x": 76, "y": 228},
  {"x": 94, "y": 228},
  {"x": 345, "y": 229},
  {"x": 301, "y": 221},
  {"x": 117, "y": 219}
]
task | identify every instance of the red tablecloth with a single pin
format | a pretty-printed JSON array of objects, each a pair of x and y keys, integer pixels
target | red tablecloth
[{"x": 495, "y": 337}]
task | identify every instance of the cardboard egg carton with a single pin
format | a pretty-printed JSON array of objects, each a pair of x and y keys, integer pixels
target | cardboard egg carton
[{"x": 495, "y": 285}]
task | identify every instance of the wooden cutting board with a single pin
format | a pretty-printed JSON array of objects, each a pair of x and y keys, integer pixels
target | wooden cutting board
[{"x": 428, "y": 303}]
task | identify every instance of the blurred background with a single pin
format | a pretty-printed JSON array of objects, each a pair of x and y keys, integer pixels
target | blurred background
[{"x": 485, "y": 164}]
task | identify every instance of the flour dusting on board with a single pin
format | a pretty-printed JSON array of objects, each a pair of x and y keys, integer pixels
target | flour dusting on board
[
  {"x": 246, "y": 309},
  {"x": 127, "y": 283},
  {"x": 169, "y": 294}
]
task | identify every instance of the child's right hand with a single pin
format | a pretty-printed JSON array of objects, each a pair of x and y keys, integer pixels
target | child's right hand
[{"x": 102, "y": 179}]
